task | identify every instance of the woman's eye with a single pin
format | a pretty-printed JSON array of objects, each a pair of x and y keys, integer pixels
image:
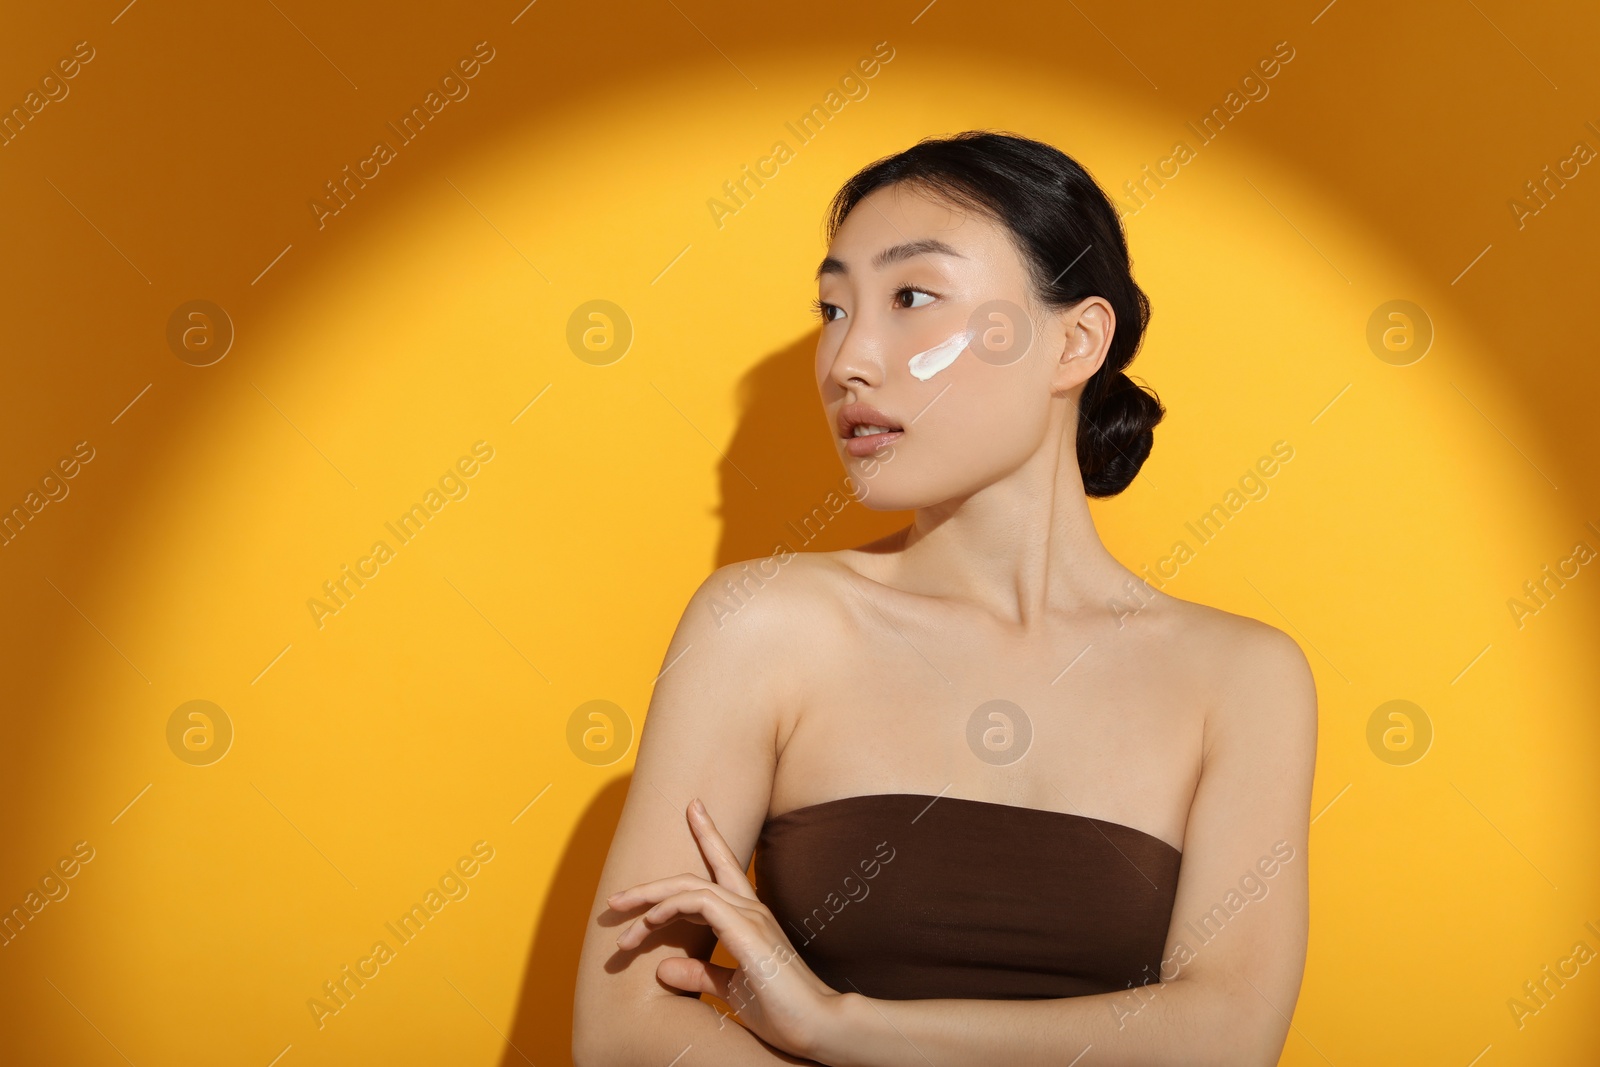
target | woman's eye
[
  {"x": 911, "y": 291},
  {"x": 823, "y": 310}
]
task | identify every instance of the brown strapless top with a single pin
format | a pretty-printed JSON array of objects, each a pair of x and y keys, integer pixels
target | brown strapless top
[{"x": 905, "y": 896}]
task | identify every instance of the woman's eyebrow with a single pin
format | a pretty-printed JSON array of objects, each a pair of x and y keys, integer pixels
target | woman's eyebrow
[{"x": 894, "y": 254}]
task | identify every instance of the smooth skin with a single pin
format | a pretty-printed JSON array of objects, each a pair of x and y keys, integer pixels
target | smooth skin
[{"x": 824, "y": 675}]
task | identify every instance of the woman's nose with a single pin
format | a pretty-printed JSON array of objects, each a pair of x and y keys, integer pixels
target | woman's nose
[{"x": 857, "y": 363}]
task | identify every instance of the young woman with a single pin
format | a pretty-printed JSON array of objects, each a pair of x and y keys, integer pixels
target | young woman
[{"x": 1011, "y": 802}]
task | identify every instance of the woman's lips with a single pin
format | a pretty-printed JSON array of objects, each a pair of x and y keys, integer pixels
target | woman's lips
[{"x": 869, "y": 443}]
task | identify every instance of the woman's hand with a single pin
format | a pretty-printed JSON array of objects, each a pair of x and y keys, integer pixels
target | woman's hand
[{"x": 772, "y": 992}]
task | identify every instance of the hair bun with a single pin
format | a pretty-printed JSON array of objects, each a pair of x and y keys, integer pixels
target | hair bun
[{"x": 1115, "y": 433}]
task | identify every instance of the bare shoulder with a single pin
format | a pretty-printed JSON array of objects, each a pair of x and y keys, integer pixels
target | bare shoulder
[
  {"x": 764, "y": 617},
  {"x": 1258, "y": 676},
  {"x": 789, "y": 588},
  {"x": 765, "y": 624},
  {"x": 766, "y": 598},
  {"x": 1247, "y": 642}
]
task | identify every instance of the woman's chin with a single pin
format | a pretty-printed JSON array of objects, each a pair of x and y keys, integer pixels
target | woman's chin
[{"x": 878, "y": 498}]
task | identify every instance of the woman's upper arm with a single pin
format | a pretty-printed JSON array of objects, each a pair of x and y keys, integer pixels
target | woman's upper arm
[
  {"x": 710, "y": 732},
  {"x": 1240, "y": 918}
]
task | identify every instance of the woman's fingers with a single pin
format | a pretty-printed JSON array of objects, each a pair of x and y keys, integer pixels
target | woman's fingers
[
  {"x": 725, "y": 866},
  {"x": 703, "y": 904},
  {"x": 658, "y": 889},
  {"x": 696, "y": 975}
]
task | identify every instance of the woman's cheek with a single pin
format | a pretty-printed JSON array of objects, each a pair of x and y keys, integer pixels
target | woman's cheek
[{"x": 978, "y": 441}]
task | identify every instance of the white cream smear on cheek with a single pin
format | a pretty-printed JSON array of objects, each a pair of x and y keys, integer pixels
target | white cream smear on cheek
[{"x": 925, "y": 365}]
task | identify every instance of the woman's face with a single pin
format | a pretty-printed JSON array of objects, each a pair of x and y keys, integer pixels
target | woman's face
[{"x": 929, "y": 319}]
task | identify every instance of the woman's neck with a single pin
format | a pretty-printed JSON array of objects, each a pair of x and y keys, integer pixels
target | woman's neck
[{"x": 1018, "y": 549}]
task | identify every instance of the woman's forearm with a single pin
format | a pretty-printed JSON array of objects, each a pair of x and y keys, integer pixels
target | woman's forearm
[
  {"x": 1189, "y": 1022},
  {"x": 657, "y": 1033}
]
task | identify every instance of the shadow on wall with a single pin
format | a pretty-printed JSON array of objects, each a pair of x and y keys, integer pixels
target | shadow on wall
[
  {"x": 782, "y": 484},
  {"x": 541, "y": 1031}
]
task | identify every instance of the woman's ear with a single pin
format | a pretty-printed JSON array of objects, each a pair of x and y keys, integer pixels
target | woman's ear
[{"x": 1087, "y": 326}]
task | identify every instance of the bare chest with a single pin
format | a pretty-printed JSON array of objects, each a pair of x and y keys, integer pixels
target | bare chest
[{"x": 1096, "y": 721}]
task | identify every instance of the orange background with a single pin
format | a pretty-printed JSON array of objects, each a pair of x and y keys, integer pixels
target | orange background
[{"x": 435, "y": 709}]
